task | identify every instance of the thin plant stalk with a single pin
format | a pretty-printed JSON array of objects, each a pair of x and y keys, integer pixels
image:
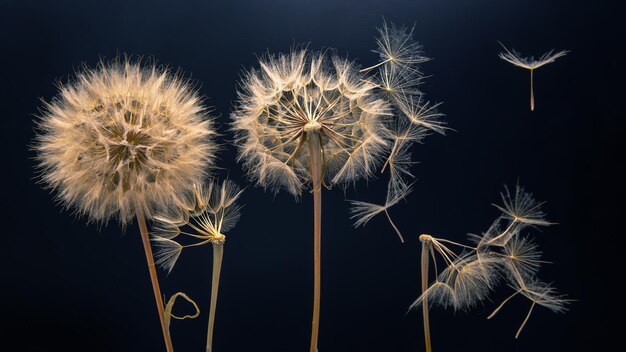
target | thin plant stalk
[
  {"x": 532, "y": 95},
  {"x": 145, "y": 238},
  {"x": 218, "y": 254},
  {"x": 425, "y": 259},
  {"x": 394, "y": 226},
  {"x": 519, "y": 331},
  {"x": 315, "y": 154}
]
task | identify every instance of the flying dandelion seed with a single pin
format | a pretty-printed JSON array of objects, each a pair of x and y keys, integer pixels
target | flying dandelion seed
[
  {"x": 529, "y": 63},
  {"x": 119, "y": 140},
  {"x": 205, "y": 214},
  {"x": 364, "y": 212},
  {"x": 397, "y": 79},
  {"x": 469, "y": 276},
  {"x": 539, "y": 293},
  {"x": 522, "y": 258},
  {"x": 520, "y": 210}
]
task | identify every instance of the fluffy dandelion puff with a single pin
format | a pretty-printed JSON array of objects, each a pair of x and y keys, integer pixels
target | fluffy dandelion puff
[
  {"x": 121, "y": 136},
  {"x": 302, "y": 95}
]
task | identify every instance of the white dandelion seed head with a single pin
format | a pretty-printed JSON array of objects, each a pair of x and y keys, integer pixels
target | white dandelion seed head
[
  {"x": 121, "y": 136},
  {"x": 304, "y": 95}
]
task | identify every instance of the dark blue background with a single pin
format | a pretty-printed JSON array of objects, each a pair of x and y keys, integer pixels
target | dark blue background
[{"x": 72, "y": 287}]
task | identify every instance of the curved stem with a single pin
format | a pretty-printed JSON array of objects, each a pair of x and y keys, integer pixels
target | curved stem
[
  {"x": 394, "y": 226},
  {"x": 145, "y": 239},
  {"x": 519, "y": 331},
  {"x": 218, "y": 254},
  {"x": 425, "y": 251},
  {"x": 506, "y": 231},
  {"x": 493, "y": 314},
  {"x": 315, "y": 155}
]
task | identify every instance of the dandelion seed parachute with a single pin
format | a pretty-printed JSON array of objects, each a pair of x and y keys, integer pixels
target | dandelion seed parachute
[
  {"x": 521, "y": 206},
  {"x": 529, "y": 63},
  {"x": 204, "y": 215}
]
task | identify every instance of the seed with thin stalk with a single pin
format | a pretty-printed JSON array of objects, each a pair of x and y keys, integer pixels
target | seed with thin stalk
[
  {"x": 203, "y": 216},
  {"x": 120, "y": 139},
  {"x": 364, "y": 212},
  {"x": 539, "y": 293},
  {"x": 529, "y": 63},
  {"x": 471, "y": 272}
]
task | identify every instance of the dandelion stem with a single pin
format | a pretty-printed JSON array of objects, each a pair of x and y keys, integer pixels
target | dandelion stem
[
  {"x": 508, "y": 228},
  {"x": 425, "y": 252},
  {"x": 502, "y": 304},
  {"x": 394, "y": 226},
  {"x": 378, "y": 64},
  {"x": 218, "y": 254},
  {"x": 145, "y": 238},
  {"x": 315, "y": 153},
  {"x": 532, "y": 95},
  {"x": 519, "y": 331}
]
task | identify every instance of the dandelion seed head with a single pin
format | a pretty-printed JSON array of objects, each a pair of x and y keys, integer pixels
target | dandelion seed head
[
  {"x": 121, "y": 136},
  {"x": 304, "y": 95}
]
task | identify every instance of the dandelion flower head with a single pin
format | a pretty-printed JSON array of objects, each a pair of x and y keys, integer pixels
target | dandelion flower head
[
  {"x": 121, "y": 136},
  {"x": 302, "y": 95}
]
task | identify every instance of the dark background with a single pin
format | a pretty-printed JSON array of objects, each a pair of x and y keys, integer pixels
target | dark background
[{"x": 75, "y": 287}]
